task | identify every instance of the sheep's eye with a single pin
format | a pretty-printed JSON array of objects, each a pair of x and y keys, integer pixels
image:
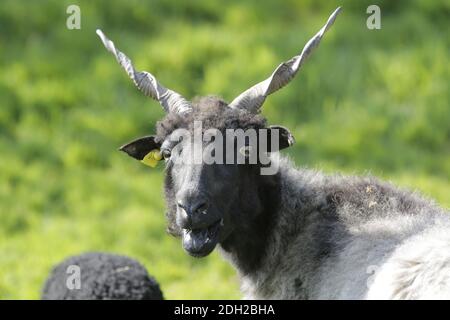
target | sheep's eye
[
  {"x": 245, "y": 151},
  {"x": 166, "y": 154}
]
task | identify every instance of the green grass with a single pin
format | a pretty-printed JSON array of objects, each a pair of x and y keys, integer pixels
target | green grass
[{"x": 366, "y": 101}]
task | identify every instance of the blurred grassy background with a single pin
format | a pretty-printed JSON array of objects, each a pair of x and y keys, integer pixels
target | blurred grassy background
[{"x": 367, "y": 101}]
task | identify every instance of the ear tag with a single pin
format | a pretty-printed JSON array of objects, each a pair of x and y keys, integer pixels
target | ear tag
[{"x": 152, "y": 158}]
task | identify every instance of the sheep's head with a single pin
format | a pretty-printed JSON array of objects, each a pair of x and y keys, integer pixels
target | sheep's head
[
  {"x": 209, "y": 197},
  {"x": 217, "y": 155}
]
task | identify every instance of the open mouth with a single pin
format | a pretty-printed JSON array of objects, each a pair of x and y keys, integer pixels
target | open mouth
[{"x": 201, "y": 242}]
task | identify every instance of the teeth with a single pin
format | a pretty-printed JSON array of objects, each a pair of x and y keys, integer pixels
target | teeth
[{"x": 203, "y": 232}]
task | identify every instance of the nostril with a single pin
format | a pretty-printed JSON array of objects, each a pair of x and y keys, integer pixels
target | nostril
[
  {"x": 200, "y": 208},
  {"x": 180, "y": 205},
  {"x": 193, "y": 207},
  {"x": 183, "y": 219}
]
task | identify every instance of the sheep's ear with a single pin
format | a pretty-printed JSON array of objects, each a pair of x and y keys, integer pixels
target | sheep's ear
[
  {"x": 144, "y": 149},
  {"x": 285, "y": 138}
]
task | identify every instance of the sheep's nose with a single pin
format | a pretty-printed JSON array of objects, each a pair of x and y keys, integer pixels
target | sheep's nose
[
  {"x": 190, "y": 213},
  {"x": 199, "y": 206}
]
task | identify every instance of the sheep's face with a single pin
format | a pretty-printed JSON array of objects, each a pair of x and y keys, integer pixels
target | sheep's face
[{"x": 211, "y": 185}]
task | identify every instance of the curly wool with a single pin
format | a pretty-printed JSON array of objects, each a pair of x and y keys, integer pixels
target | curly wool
[
  {"x": 213, "y": 113},
  {"x": 347, "y": 237},
  {"x": 104, "y": 276}
]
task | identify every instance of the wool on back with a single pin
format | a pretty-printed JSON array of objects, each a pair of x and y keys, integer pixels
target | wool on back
[{"x": 334, "y": 235}]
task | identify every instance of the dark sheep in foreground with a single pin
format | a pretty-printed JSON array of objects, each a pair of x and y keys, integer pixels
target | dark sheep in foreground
[
  {"x": 103, "y": 276},
  {"x": 295, "y": 233}
]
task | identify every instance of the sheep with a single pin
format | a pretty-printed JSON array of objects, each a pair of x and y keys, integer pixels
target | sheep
[
  {"x": 103, "y": 276},
  {"x": 296, "y": 233}
]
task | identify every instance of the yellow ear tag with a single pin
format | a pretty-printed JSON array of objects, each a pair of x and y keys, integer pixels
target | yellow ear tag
[{"x": 152, "y": 158}]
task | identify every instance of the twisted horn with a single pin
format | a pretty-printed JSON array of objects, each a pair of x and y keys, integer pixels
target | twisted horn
[
  {"x": 147, "y": 83},
  {"x": 253, "y": 98}
]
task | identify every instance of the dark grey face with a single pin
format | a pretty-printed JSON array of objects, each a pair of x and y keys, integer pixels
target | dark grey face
[
  {"x": 201, "y": 197},
  {"x": 207, "y": 202}
]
